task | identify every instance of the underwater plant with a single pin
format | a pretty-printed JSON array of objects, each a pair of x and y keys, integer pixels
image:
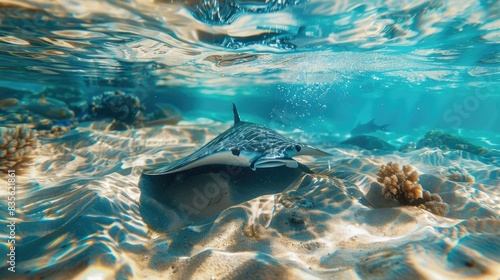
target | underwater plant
[
  {"x": 402, "y": 185},
  {"x": 16, "y": 146}
]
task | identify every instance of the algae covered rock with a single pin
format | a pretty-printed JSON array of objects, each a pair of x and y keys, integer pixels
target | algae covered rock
[
  {"x": 408, "y": 147},
  {"x": 446, "y": 141}
]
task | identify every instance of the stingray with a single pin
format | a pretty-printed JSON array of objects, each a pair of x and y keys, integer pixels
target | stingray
[
  {"x": 245, "y": 144},
  {"x": 246, "y": 161}
]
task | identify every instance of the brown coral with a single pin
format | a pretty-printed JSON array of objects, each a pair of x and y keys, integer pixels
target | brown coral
[
  {"x": 16, "y": 146},
  {"x": 459, "y": 174},
  {"x": 402, "y": 185}
]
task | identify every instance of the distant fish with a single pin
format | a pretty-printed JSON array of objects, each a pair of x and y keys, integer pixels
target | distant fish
[
  {"x": 168, "y": 110},
  {"x": 368, "y": 127},
  {"x": 47, "y": 107},
  {"x": 369, "y": 143},
  {"x": 9, "y": 103},
  {"x": 166, "y": 114}
]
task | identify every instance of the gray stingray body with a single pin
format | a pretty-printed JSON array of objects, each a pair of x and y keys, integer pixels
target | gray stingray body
[
  {"x": 244, "y": 144},
  {"x": 368, "y": 127}
]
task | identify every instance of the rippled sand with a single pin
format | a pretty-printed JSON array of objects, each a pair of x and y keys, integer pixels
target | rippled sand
[{"x": 80, "y": 215}]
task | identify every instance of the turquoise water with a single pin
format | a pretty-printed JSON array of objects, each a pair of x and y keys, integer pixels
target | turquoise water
[
  {"x": 415, "y": 62},
  {"x": 311, "y": 70}
]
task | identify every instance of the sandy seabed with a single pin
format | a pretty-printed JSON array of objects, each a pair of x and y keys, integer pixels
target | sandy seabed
[{"x": 79, "y": 215}]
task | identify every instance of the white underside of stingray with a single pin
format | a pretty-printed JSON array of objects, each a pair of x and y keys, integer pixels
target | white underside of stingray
[{"x": 244, "y": 144}]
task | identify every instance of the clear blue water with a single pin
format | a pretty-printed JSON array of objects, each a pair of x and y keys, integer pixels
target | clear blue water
[
  {"x": 411, "y": 64},
  {"x": 310, "y": 69}
]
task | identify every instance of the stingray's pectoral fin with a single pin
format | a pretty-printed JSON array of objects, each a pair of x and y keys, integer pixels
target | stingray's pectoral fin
[
  {"x": 307, "y": 150},
  {"x": 273, "y": 162}
]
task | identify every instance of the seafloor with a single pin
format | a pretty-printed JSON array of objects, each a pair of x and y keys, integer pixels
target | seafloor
[{"x": 81, "y": 214}]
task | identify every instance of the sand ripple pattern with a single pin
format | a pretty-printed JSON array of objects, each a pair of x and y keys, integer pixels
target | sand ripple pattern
[{"x": 80, "y": 214}]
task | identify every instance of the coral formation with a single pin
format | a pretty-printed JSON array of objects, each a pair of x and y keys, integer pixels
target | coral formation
[
  {"x": 57, "y": 128},
  {"x": 48, "y": 116},
  {"x": 16, "y": 146},
  {"x": 117, "y": 106},
  {"x": 446, "y": 141},
  {"x": 402, "y": 185},
  {"x": 16, "y": 117},
  {"x": 124, "y": 111},
  {"x": 458, "y": 174},
  {"x": 41, "y": 124}
]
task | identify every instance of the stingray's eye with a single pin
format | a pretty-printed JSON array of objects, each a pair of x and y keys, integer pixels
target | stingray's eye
[
  {"x": 235, "y": 151},
  {"x": 298, "y": 148}
]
